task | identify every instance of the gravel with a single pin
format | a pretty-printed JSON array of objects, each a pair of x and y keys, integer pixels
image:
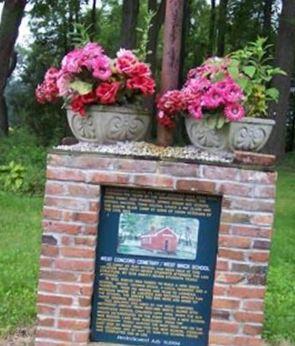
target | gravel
[{"x": 149, "y": 150}]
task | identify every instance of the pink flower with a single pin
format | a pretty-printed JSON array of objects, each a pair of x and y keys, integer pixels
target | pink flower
[
  {"x": 143, "y": 83},
  {"x": 234, "y": 111},
  {"x": 63, "y": 84},
  {"x": 48, "y": 91},
  {"x": 213, "y": 98},
  {"x": 233, "y": 93},
  {"x": 195, "y": 111},
  {"x": 93, "y": 49},
  {"x": 198, "y": 84},
  {"x": 125, "y": 61},
  {"x": 72, "y": 62},
  {"x": 107, "y": 92},
  {"x": 101, "y": 67},
  {"x": 140, "y": 69}
]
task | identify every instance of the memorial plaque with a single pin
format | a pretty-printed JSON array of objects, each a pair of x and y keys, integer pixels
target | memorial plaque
[{"x": 155, "y": 266}]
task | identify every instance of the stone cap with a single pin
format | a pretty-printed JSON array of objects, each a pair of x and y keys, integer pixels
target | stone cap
[{"x": 187, "y": 154}]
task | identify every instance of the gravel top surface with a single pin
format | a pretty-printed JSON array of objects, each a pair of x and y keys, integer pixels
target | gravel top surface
[{"x": 148, "y": 150}]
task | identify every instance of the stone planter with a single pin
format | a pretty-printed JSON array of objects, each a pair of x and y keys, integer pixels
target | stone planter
[
  {"x": 249, "y": 134},
  {"x": 109, "y": 124},
  {"x": 205, "y": 138}
]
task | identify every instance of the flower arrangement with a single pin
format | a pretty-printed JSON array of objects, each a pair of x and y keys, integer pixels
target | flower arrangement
[
  {"x": 223, "y": 90},
  {"x": 87, "y": 76},
  {"x": 209, "y": 90}
]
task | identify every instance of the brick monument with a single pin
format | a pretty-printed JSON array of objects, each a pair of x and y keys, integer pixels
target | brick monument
[{"x": 70, "y": 230}]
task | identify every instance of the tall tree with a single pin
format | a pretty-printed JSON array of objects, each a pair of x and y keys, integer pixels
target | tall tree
[
  {"x": 221, "y": 27},
  {"x": 212, "y": 26},
  {"x": 154, "y": 30},
  {"x": 12, "y": 14},
  {"x": 186, "y": 21},
  {"x": 171, "y": 58},
  {"x": 285, "y": 56},
  {"x": 93, "y": 20},
  {"x": 129, "y": 23},
  {"x": 267, "y": 14}
]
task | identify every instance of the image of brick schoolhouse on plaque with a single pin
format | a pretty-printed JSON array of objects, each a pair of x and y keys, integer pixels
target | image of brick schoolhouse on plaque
[{"x": 158, "y": 236}]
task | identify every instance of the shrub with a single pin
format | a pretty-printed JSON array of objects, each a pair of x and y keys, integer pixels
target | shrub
[{"x": 22, "y": 162}]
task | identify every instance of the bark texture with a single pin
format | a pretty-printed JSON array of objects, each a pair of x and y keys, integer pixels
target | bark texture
[
  {"x": 211, "y": 48},
  {"x": 154, "y": 30},
  {"x": 129, "y": 23},
  {"x": 267, "y": 15},
  {"x": 12, "y": 14},
  {"x": 221, "y": 27},
  {"x": 285, "y": 58},
  {"x": 171, "y": 58}
]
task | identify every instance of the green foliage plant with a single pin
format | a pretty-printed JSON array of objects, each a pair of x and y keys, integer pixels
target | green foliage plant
[
  {"x": 12, "y": 176},
  {"x": 141, "y": 51},
  {"x": 251, "y": 68}
]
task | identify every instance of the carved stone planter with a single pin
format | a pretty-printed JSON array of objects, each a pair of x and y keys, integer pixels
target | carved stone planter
[
  {"x": 109, "y": 124},
  {"x": 206, "y": 138},
  {"x": 249, "y": 134}
]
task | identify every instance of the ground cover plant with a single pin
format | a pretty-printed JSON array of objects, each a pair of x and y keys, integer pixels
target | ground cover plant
[{"x": 20, "y": 232}]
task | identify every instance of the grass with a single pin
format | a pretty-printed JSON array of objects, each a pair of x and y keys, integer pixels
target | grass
[
  {"x": 280, "y": 299},
  {"x": 20, "y": 219},
  {"x": 19, "y": 252}
]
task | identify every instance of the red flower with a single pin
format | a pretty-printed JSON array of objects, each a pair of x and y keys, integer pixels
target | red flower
[
  {"x": 140, "y": 69},
  {"x": 78, "y": 105},
  {"x": 107, "y": 92},
  {"x": 89, "y": 98},
  {"x": 143, "y": 83}
]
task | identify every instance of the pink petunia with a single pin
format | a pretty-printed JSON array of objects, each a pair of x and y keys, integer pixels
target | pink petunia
[
  {"x": 213, "y": 98},
  {"x": 195, "y": 110},
  {"x": 234, "y": 111}
]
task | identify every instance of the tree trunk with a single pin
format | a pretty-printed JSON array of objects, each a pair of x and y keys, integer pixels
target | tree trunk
[
  {"x": 129, "y": 22},
  {"x": 185, "y": 31},
  {"x": 285, "y": 56},
  {"x": 211, "y": 48},
  {"x": 171, "y": 58},
  {"x": 93, "y": 20},
  {"x": 12, "y": 14},
  {"x": 221, "y": 27},
  {"x": 267, "y": 14},
  {"x": 154, "y": 30}
]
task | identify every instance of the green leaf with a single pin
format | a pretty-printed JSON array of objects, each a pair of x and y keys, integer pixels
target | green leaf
[
  {"x": 234, "y": 71},
  {"x": 212, "y": 122},
  {"x": 243, "y": 83},
  {"x": 82, "y": 88},
  {"x": 273, "y": 93},
  {"x": 249, "y": 71},
  {"x": 220, "y": 122}
]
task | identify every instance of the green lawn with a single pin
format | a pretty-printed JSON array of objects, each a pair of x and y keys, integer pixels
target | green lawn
[
  {"x": 19, "y": 252},
  {"x": 20, "y": 219},
  {"x": 280, "y": 301}
]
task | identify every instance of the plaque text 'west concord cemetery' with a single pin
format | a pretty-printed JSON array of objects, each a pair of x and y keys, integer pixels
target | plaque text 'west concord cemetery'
[{"x": 155, "y": 267}]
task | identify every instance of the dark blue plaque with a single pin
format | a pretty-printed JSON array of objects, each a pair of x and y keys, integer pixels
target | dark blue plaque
[{"x": 156, "y": 257}]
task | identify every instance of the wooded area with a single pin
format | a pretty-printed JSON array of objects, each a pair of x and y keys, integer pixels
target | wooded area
[{"x": 208, "y": 28}]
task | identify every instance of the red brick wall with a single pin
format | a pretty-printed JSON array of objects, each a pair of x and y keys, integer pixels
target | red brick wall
[{"x": 71, "y": 210}]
